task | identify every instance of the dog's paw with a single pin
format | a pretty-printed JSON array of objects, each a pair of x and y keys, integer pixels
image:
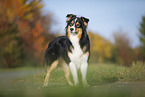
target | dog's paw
[
  {"x": 70, "y": 84},
  {"x": 76, "y": 85},
  {"x": 86, "y": 85},
  {"x": 45, "y": 84}
]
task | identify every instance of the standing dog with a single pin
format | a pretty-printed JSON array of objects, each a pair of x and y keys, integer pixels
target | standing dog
[{"x": 73, "y": 49}]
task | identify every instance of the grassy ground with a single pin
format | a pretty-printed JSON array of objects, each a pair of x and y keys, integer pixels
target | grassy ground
[{"x": 106, "y": 80}]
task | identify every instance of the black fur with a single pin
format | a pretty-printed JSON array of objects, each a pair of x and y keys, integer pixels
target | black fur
[{"x": 56, "y": 49}]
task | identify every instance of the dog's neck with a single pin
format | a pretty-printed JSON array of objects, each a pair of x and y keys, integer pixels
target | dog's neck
[{"x": 75, "y": 41}]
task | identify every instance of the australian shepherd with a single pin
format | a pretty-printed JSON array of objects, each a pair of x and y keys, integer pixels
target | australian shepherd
[{"x": 73, "y": 49}]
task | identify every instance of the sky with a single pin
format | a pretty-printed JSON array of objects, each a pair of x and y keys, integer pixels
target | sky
[{"x": 106, "y": 16}]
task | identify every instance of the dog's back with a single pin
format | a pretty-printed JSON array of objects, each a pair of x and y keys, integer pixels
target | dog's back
[{"x": 56, "y": 49}]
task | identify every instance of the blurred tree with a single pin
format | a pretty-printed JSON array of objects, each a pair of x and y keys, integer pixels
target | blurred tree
[
  {"x": 122, "y": 52},
  {"x": 100, "y": 48},
  {"x": 138, "y": 53},
  {"x": 11, "y": 53},
  {"x": 142, "y": 38},
  {"x": 21, "y": 32},
  {"x": 11, "y": 50}
]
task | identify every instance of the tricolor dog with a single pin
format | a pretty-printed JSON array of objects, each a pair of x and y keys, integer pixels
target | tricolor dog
[{"x": 73, "y": 49}]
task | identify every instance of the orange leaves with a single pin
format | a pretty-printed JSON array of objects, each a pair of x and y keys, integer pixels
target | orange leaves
[
  {"x": 37, "y": 38},
  {"x": 37, "y": 30},
  {"x": 31, "y": 36},
  {"x": 13, "y": 9}
]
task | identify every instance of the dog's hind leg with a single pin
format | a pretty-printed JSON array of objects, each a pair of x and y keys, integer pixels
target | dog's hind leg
[
  {"x": 52, "y": 67},
  {"x": 67, "y": 73}
]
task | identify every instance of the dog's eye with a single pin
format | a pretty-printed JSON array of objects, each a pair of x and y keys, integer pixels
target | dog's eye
[{"x": 78, "y": 25}]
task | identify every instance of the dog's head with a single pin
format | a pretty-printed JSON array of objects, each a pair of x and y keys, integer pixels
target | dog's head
[{"x": 76, "y": 25}]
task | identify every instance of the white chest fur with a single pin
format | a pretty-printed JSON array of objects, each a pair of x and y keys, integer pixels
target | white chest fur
[{"x": 77, "y": 55}]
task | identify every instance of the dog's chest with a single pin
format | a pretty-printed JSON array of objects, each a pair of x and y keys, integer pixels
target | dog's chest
[{"x": 77, "y": 53}]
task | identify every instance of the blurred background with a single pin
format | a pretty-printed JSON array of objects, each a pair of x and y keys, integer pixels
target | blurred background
[{"x": 116, "y": 29}]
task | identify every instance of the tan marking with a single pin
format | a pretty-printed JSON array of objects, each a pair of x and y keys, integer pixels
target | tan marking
[
  {"x": 69, "y": 18},
  {"x": 68, "y": 33},
  {"x": 72, "y": 22},
  {"x": 84, "y": 22},
  {"x": 79, "y": 30},
  {"x": 87, "y": 53},
  {"x": 84, "y": 48},
  {"x": 52, "y": 67},
  {"x": 69, "y": 54},
  {"x": 71, "y": 48},
  {"x": 67, "y": 73},
  {"x": 77, "y": 23}
]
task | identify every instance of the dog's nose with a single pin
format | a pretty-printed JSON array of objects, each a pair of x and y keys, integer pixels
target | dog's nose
[{"x": 71, "y": 29}]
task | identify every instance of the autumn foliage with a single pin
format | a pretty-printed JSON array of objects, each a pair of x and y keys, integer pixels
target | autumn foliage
[
  {"x": 22, "y": 34},
  {"x": 101, "y": 49},
  {"x": 120, "y": 52}
]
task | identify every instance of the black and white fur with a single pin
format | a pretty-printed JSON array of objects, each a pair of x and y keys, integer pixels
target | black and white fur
[{"x": 73, "y": 49}]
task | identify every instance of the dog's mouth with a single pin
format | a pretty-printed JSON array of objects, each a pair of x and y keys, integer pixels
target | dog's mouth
[{"x": 74, "y": 32}]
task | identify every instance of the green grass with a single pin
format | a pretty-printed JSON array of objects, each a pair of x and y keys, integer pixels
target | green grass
[
  {"x": 106, "y": 80},
  {"x": 112, "y": 73}
]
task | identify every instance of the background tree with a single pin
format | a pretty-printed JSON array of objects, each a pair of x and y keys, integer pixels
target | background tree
[
  {"x": 142, "y": 38},
  {"x": 122, "y": 51},
  {"x": 23, "y": 32},
  {"x": 100, "y": 48}
]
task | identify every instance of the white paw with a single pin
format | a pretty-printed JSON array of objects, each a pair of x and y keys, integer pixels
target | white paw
[
  {"x": 70, "y": 84},
  {"x": 86, "y": 85},
  {"x": 45, "y": 84}
]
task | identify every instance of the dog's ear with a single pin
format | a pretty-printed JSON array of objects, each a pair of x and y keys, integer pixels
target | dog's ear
[
  {"x": 85, "y": 20},
  {"x": 69, "y": 16}
]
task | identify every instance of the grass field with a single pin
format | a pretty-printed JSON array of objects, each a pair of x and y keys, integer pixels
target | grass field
[{"x": 106, "y": 80}]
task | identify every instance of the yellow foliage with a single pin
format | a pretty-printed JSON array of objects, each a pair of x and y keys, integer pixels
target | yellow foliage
[
  {"x": 20, "y": 9},
  {"x": 100, "y": 48}
]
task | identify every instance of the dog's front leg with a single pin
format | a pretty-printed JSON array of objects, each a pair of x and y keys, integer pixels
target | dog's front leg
[
  {"x": 84, "y": 67},
  {"x": 74, "y": 73}
]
